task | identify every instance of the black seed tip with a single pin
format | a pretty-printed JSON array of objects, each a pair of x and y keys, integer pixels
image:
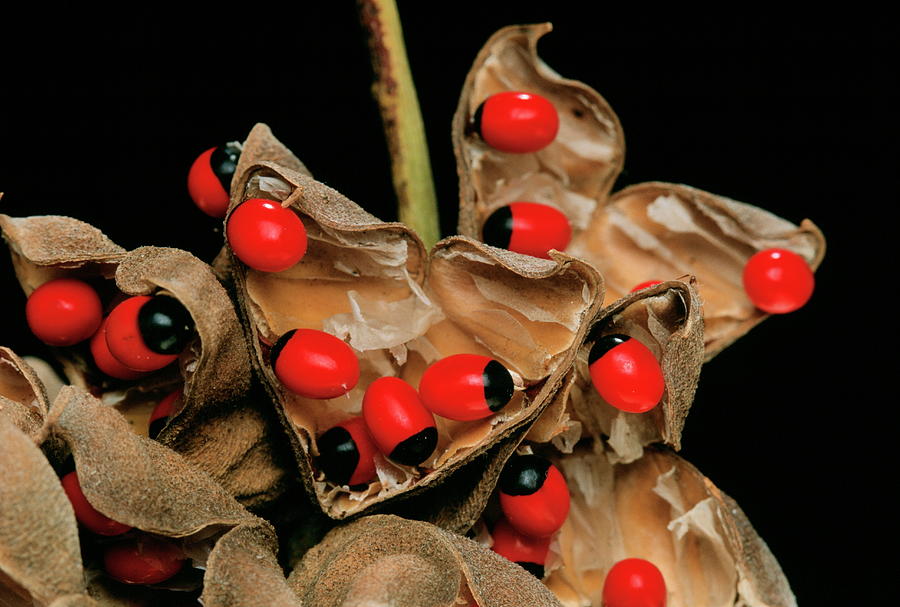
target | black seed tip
[
  {"x": 474, "y": 127},
  {"x": 156, "y": 426},
  {"x": 497, "y": 230},
  {"x": 532, "y": 568},
  {"x": 498, "y": 385},
  {"x": 524, "y": 474},
  {"x": 165, "y": 325},
  {"x": 338, "y": 455},
  {"x": 604, "y": 345},
  {"x": 416, "y": 449},
  {"x": 223, "y": 162},
  {"x": 275, "y": 352}
]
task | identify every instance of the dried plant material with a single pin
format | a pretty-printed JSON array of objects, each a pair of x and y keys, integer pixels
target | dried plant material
[
  {"x": 667, "y": 319},
  {"x": 221, "y": 426},
  {"x": 659, "y": 508},
  {"x": 23, "y": 400},
  {"x": 373, "y": 285},
  {"x": 39, "y": 550},
  {"x": 139, "y": 483},
  {"x": 651, "y": 231},
  {"x": 389, "y": 560}
]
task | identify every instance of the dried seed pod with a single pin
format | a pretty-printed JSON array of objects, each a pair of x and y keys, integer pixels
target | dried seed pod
[
  {"x": 23, "y": 400},
  {"x": 410, "y": 563},
  {"x": 651, "y": 230},
  {"x": 137, "y": 482},
  {"x": 659, "y": 508},
  {"x": 222, "y": 426},
  {"x": 667, "y": 319},
  {"x": 372, "y": 284}
]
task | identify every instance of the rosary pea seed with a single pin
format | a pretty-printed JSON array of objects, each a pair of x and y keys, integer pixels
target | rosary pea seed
[
  {"x": 266, "y": 236},
  {"x": 534, "y": 496},
  {"x": 85, "y": 513},
  {"x": 634, "y": 583},
  {"x": 209, "y": 179},
  {"x": 517, "y": 122},
  {"x": 147, "y": 333},
  {"x": 626, "y": 374},
  {"x": 778, "y": 281},
  {"x": 347, "y": 453},
  {"x": 143, "y": 560},
  {"x": 528, "y": 552},
  {"x": 529, "y": 228},
  {"x": 314, "y": 364},
  {"x": 401, "y": 426},
  {"x": 64, "y": 312},
  {"x": 465, "y": 387}
]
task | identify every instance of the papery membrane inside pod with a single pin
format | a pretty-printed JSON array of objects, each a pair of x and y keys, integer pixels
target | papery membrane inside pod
[
  {"x": 364, "y": 281},
  {"x": 659, "y": 508}
]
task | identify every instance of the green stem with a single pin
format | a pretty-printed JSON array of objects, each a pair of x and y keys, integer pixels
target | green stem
[{"x": 405, "y": 132}]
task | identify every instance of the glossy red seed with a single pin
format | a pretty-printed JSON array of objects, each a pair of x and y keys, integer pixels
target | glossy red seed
[
  {"x": 163, "y": 410},
  {"x": 63, "y": 312},
  {"x": 634, "y": 583},
  {"x": 347, "y": 453},
  {"x": 626, "y": 374},
  {"x": 646, "y": 285},
  {"x": 529, "y": 228},
  {"x": 143, "y": 560},
  {"x": 124, "y": 339},
  {"x": 401, "y": 426},
  {"x": 518, "y": 547},
  {"x": 518, "y": 122},
  {"x": 534, "y": 504},
  {"x": 106, "y": 362},
  {"x": 85, "y": 513},
  {"x": 266, "y": 236},
  {"x": 778, "y": 281},
  {"x": 465, "y": 387},
  {"x": 315, "y": 364},
  {"x": 205, "y": 187}
]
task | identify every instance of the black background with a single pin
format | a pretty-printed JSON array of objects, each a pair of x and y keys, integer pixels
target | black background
[{"x": 102, "y": 121}]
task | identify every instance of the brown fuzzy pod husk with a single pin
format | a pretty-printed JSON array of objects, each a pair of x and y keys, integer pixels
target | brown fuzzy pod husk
[
  {"x": 662, "y": 509},
  {"x": 222, "y": 425},
  {"x": 651, "y": 231},
  {"x": 23, "y": 400},
  {"x": 137, "y": 482},
  {"x": 384, "y": 559},
  {"x": 373, "y": 285}
]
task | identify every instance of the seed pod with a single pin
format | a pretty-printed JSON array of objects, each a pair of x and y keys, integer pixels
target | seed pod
[
  {"x": 385, "y": 559},
  {"x": 139, "y": 483},
  {"x": 214, "y": 369},
  {"x": 659, "y": 508},
  {"x": 372, "y": 285},
  {"x": 650, "y": 230},
  {"x": 666, "y": 319},
  {"x": 23, "y": 400}
]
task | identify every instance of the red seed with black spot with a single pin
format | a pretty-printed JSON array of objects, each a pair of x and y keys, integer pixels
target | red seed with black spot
[
  {"x": 161, "y": 413},
  {"x": 314, "y": 364},
  {"x": 625, "y": 373},
  {"x": 63, "y": 312},
  {"x": 534, "y": 496},
  {"x": 209, "y": 180},
  {"x": 529, "y": 228},
  {"x": 147, "y": 333},
  {"x": 466, "y": 387},
  {"x": 347, "y": 453},
  {"x": 528, "y": 552},
  {"x": 401, "y": 426},
  {"x": 106, "y": 362}
]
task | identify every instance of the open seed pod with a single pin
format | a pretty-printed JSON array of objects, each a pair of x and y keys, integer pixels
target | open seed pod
[
  {"x": 659, "y": 508},
  {"x": 667, "y": 319},
  {"x": 373, "y": 285},
  {"x": 384, "y": 559},
  {"x": 220, "y": 426},
  {"x": 140, "y": 484},
  {"x": 652, "y": 231}
]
